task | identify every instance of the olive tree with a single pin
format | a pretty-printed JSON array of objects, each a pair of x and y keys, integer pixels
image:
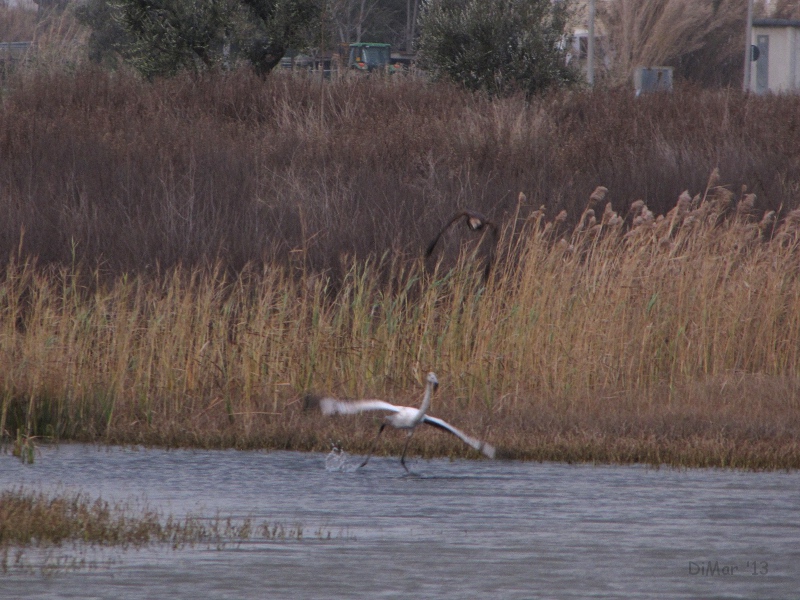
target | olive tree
[
  {"x": 162, "y": 37},
  {"x": 501, "y": 47}
]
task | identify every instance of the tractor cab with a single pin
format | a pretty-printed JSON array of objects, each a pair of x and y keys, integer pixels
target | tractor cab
[{"x": 368, "y": 56}]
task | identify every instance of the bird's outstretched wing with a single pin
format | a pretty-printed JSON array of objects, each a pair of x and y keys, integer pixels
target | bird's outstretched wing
[
  {"x": 475, "y": 221},
  {"x": 480, "y": 446},
  {"x": 332, "y": 406},
  {"x": 435, "y": 240}
]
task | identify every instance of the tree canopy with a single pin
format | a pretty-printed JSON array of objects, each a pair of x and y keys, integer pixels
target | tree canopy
[
  {"x": 161, "y": 37},
  {"x": 501, "y": 47}
]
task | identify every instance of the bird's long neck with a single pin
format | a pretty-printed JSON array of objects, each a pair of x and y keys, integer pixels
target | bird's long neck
[{"x": 426, "y": 402}]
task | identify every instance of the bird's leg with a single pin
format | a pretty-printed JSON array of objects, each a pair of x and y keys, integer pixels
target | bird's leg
[
  {"x": 403, "y": 457},
  {"x": 374, "y": 445}
]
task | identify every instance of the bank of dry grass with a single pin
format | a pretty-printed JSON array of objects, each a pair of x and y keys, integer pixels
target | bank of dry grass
[
  {"x": 30, "y": 518},
  {"x": 36, "y": 520},
  {"x": 625, "y": 338},
  {"x": 188, "y": 258},
  {"x": 106, "y": 170}
]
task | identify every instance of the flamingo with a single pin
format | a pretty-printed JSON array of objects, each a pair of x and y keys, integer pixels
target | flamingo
[
  {"x": 475, "y": 221},
  {"x": 402, "y": 417}
]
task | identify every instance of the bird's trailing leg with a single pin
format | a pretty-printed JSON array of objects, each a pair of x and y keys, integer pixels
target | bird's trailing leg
[
  {"x": 403, "y": 457},
  {"x": 374, "y": 445}
]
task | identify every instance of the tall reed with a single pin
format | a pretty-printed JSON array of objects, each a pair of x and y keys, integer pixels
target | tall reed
[{"x": 676, "y": 328}]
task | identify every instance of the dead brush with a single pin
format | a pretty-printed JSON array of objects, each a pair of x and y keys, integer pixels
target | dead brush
[
  {"x": 35, "y": 519},
  {"x": 627, "y": 322},
  {"x": 140, "y": 177}
]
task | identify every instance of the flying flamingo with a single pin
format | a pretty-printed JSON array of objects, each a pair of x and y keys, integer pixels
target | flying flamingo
[
  {"x": 402, "y": 417},
  {"x": 476, "y": 222}
]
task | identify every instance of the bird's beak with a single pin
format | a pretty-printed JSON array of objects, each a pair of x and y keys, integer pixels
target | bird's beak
[{"x": 435, "y": 386}]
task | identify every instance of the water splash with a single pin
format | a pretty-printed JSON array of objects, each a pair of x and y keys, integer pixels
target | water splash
[{"x": 337, "y": 460}]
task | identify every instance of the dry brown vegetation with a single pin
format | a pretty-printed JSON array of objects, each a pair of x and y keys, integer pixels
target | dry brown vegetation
[
  {"x": 188, "y": 258},
  {"x": 673, "y": 339},
  {"x": 16, "y": 25},
  {"x": 702, "y": 39},
  {"x": 784, "y": 9},
  {"x": 58, "y": 40},
  {"x": 107, "y": 171},
  {"x": 35, "y": 519}
]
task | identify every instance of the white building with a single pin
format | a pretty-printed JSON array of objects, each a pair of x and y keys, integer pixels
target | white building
[{"x": 777, "y": 67}]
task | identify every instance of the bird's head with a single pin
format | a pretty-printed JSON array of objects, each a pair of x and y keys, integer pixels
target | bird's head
[
  {"x": 432, "y": 380},
  {"x": 475, "y": 223}
]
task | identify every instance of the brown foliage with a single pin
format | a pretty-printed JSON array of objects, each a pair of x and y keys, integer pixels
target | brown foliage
[
  {"x": 627, "y": 337},
  {"x": 16, "y": 25},
  {"x": 786, "y": 9},
  {"x": 109, "y": 171}
]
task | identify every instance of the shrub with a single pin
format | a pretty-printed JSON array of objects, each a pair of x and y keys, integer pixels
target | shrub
[
  {"x": 500, "y": 47},
  {"x": 162, "y": 38}
]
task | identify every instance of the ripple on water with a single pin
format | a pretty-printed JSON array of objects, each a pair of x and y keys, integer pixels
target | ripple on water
[{"x": 456, "y": 529}]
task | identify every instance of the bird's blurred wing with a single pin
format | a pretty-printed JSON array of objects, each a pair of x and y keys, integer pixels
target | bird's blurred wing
[
  {"x": 487, "y": 449},
  {"x": 435, "y": 240},
  {"x": 332, "y": 406}
]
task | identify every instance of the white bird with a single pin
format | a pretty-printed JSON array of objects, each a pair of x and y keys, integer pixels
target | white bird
[{"x": 402, "y": 417}]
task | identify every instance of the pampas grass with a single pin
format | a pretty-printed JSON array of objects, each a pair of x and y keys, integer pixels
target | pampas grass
[{"x": 701, "y": 38}]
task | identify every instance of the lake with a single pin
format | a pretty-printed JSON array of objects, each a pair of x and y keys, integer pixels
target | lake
[{"x": 451, "y": 529}]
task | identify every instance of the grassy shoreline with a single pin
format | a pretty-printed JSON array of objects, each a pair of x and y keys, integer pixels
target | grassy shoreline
[
  {"x": 184, "y": 260},
  {"x": 674, "y": 341},
  {"x": 51, "y": 532}
]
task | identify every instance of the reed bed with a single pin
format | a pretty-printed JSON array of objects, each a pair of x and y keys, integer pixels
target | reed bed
[
  {"x": 31, "y": 518},
  {"x": 121, "y": 175},
  {"x": 40, "y": 521},
  {"x": 625, "y": 338},
  {"x": 184, "y": 260}
]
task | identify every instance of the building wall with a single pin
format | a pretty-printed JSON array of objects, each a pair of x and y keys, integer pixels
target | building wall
[
  {"x": 781, "y": 64},
  {"x": 795, "y": 67}
]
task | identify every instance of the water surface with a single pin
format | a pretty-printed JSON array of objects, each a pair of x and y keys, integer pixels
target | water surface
[{"x": 452, "y": 529}]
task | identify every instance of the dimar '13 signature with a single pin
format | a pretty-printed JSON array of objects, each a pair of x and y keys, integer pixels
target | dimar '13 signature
[{"x": 715, "y": 568}]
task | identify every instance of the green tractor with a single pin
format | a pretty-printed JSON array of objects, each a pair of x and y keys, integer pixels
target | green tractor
[{"x": 368, "y": 57}]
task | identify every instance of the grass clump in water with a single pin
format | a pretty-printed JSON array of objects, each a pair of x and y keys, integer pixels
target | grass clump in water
[
  {"x": 30, "y": 518},
  {"x": 35, "y": 520}
]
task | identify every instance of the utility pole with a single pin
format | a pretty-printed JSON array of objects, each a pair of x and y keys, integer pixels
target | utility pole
[
  {"x": 590, "y": 46},
  {"x": 748, "y": 43}
]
